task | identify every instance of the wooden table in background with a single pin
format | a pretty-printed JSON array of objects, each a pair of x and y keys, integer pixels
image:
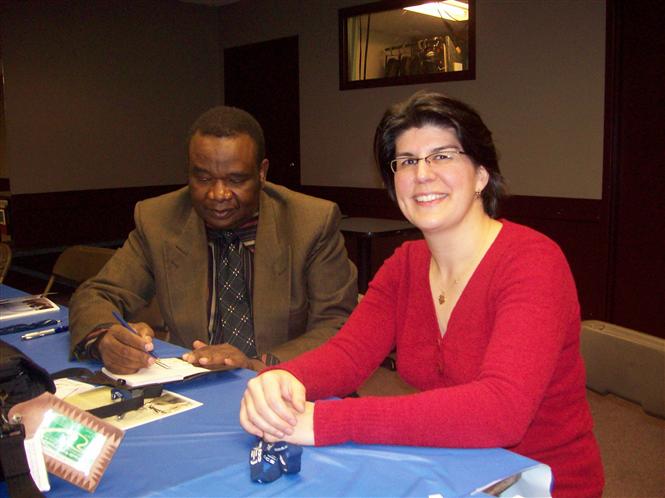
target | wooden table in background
[{"x": 366, "y": 230}]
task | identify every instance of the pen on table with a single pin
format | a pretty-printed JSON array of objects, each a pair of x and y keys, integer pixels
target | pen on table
[
  {"x": 24, "y": 327},
  {"x": 125, "y": 324},
  {"x": 45, "y": 332}
]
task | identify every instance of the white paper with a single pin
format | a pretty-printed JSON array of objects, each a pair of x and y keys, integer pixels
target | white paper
[
  {"x": 178, "y": 369},
  {"x": 169, "y": 403},
  {"x": 35, "y": 457},
  {"x": 535, "y": 481},
  {"x": 68, "y": 387}
]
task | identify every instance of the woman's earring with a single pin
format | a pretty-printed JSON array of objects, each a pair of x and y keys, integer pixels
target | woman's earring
[{"x": 477, "y": 194}]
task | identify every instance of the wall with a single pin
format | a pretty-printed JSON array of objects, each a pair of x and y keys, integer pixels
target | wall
[
  {"x": 539, "y": 86},
  {"x": 99, "y": 94}
]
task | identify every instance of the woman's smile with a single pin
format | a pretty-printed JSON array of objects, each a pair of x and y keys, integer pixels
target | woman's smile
[{"x": 429, "y": 199}]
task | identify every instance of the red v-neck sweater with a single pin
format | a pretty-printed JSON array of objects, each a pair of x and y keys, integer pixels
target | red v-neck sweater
[{"x": 507, "y": 373}]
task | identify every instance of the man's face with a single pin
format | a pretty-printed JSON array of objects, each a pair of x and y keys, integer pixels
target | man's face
[{"x": 224, "y": 179}]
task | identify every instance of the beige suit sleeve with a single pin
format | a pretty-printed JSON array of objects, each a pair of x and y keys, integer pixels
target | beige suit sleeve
[
  {"x": 124, "y": 284},
  {"x": 332, "y": 289}
]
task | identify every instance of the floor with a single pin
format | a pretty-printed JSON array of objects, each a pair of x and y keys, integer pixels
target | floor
[{"x": 632, "y": 445}]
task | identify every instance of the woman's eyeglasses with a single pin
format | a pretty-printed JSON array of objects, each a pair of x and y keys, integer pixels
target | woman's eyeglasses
[{"x": 433, "y": 160}]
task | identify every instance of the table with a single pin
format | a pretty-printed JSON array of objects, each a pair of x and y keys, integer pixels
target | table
[
  {"x": 366, "y": 230},
  {"x": 204, "y": 452}
]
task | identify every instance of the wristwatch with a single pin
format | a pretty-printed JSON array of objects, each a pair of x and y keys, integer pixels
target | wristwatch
[{"x": 270, "y": 359}]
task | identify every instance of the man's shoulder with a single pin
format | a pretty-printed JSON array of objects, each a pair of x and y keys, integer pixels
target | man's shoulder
[{"x": 165, "y": 214}]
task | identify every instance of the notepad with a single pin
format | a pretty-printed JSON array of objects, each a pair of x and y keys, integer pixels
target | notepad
[
  {"x": 154, "y": 374},
  {"x": 17, "y": 307}
]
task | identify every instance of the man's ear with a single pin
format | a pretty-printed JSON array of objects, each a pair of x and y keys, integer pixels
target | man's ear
[{"x": 263, "y": 172}]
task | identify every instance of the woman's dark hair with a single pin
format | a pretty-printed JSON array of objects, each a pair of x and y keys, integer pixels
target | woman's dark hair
[
  {"x": 430, "y": 108},
  {"x": 225, "y": 121}
]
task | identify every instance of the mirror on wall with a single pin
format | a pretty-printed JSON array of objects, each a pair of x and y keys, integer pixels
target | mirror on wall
[{"x": 398, "y": 42}]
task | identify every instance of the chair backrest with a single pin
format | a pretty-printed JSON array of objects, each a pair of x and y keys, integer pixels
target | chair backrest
[
  {"x": 5, "y": 259},
  {"x": 78, "y": 263}
]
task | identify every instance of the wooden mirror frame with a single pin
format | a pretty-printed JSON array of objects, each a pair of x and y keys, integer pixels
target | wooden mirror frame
[{"x": 469, "y": 73}]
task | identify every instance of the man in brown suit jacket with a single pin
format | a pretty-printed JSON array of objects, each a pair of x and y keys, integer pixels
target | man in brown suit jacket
[{"x": 303, "y": 286}]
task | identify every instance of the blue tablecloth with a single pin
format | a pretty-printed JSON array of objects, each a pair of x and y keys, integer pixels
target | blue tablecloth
[{"x": 204, "y": 452}]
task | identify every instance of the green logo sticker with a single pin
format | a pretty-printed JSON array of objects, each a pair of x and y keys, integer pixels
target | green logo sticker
[{"x": 69, "y": 441}]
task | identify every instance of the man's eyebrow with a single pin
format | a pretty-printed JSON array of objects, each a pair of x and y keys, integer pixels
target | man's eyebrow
[
  {"x": 198, "y": 169},
  {"x": 236, "y": 175}
]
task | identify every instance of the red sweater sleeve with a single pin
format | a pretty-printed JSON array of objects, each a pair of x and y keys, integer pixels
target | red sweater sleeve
[{"x": 482, "y": 383}]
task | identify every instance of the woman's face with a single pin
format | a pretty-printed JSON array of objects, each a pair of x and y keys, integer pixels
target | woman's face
[{"x": 440, "y": 194}]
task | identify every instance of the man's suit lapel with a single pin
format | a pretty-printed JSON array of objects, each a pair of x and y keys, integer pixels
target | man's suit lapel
[
  {"x": 272, "y": 278},
  {"x": 186, "y": 260}
]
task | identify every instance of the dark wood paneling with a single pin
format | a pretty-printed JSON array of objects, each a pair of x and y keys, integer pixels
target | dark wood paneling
[
  {"x": 83, "y": 216},
  {"x": 635, "y": 164},
  {"x": 368, "y": 202},
  {"x": 96, "y": 216},
  {"x": 575, "y": 224}
]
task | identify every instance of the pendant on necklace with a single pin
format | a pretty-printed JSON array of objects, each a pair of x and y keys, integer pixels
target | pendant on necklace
[{"x": 442, "y": 298}]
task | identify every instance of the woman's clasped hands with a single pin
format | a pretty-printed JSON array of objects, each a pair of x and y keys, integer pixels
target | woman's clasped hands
[{"x": 274, "y": 408}]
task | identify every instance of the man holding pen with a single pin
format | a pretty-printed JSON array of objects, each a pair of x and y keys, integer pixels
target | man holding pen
[{"x": 246, "y": 273}]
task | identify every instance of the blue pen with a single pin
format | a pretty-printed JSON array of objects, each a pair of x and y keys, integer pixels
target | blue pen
[
  {"x": 25, "y": 327},
  {"x": 44, "y": 332},
  {"x": 124, "y": 323}
]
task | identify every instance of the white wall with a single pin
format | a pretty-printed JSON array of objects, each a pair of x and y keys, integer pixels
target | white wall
[
  {"x": 539, "y": 86},
  {"x": 100, "y": 94}
]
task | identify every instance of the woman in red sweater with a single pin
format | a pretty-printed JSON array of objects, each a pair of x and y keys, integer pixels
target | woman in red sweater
[{"x": 483, "y": 314}]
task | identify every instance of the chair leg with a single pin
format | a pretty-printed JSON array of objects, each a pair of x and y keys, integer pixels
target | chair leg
[{"x": 49, "y": 284}]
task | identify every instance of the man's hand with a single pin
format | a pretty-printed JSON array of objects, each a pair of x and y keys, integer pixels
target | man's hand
[
  {"x": 123, "y": 352},
  {"x": 220, "y": 355},
  {"x": 274, "y": 408}
]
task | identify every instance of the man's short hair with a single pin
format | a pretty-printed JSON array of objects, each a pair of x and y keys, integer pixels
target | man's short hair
[{"x": 225, "y": 121}]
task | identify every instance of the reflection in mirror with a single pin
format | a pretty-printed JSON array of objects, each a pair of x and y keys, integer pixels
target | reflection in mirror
[{"x": 416, "y": 42}]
